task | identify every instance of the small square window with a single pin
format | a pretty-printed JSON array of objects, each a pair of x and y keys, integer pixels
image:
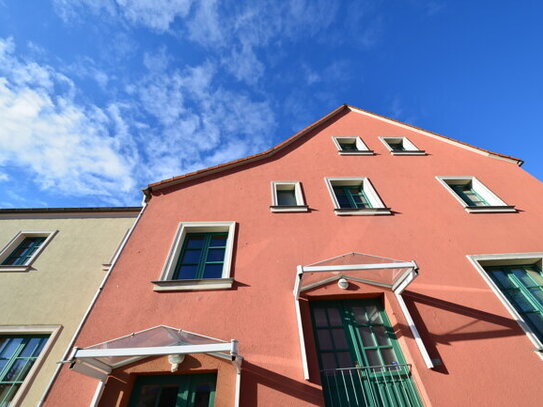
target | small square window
[
  {"x": 474, "y": 196},
  {"x": 401, "y": 146},
  {"x": 23, "y": 249},
  {"x": 351, "y": 146},
  {"x": 200, "y": 258},
  {"x": 517, "y": 280},
  {"x": 287, "y": 197},
  {"x": 355, "y": 196}
]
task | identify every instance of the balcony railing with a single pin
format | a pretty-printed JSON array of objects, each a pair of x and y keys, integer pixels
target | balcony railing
[{"x": 373, "y": 386}]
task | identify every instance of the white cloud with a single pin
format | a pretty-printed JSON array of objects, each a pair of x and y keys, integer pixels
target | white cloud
[{"x": 67, "y": 147}]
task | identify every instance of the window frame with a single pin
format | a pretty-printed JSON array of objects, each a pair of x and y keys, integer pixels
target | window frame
[
  {"x": 378, "y": 207},
  {"x": 16, "y": 241},
  {"x": 495, "y": 204},
  {"x": 480, "y": 261},
  {"x": 360, "y": 145},
  {"x": 410, "y": 148},
  {"x": 53, "y": 331},
  {"x": 166, "y": 283},
  {"x": 298, "y": 194}
]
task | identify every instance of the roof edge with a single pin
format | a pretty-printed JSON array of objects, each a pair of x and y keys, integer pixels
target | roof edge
[
  {"x": 268, "y": 153},
  {"x": 72, "y": 210}
]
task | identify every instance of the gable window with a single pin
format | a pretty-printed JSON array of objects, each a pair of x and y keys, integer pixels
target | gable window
[
  {"x": 401, "y": 146},
  {"x": 351, "y": 146},
  {"x": 518, "y": 282},
  {"x": 287, "y": 197},
  {"x": 473, "y": 195},
  {"x": 355, "y": 196},
  {"x": 22, "y": 250},
  {"x": 200, "y": 257}
]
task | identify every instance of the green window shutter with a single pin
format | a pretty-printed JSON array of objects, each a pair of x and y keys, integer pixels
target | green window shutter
[
  {"x": 351, "y": 197},
  {"x": 523, "y": 287},
  {"x": 202, "y": 256},
  {"x": 17, "y": 355},
  {"x": 24, "y": 251}
]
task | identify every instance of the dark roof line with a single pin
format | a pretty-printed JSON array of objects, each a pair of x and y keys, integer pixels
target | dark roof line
[
  {"x": 345, "y": 107},
  {"x": 71, "y": 210}
]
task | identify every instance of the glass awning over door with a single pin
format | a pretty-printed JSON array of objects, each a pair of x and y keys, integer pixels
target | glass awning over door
[
  {"x": 358, "y": 267},
  {"x": 99, "y": 360}
]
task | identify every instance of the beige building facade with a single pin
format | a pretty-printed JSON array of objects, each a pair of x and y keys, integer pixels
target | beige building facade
[{"x": 52, "y": 265}]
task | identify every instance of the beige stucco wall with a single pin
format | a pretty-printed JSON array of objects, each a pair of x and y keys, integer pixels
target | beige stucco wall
[{"x": 63, "y": 279}]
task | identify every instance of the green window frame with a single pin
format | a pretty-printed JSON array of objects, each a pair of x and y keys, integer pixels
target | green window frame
[
  {"x": 189, "y": 390},
  {"x": 18, "y": 353},
  {"x": 469, "y": 195},
  {"x": 202, "y": 256},
  {"x": 361, "y": 361},
  {"x": 351, "y": 196},
  {"x": 24, "y": 251},
  {"x": 522, "y": 285}
]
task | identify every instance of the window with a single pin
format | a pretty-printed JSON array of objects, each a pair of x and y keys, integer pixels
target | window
[
  {"x": 517, "y": 279},
  {"x": 200, "y": 257},
  {"x": 17, "y": 355},
  {"x": 351, "y": 146},
  {"x": 355, "y": 196},
  {"x": 287, "y": 197},
  {"x": 401, "y": 146},
  {"x": 22, "y": 250},
  {"x": 474, "y": 196}
]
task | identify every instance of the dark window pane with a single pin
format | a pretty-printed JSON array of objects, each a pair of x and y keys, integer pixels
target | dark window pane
[
  {"x": 325, "y": 339},
  {"x": 10, "y": 347},
  {"x": 367, "y": 337},
  {"x": 213, "y": 271},
  {"x": 168, "y": 396},
  {"x": 389, "y": 356},
  {"x": 344, "y": 359},
  {"x": 334, "y": 317},
  {"x": 148, "y": 396},
  {"x": 30, "y": 346},
  {"x": 348, "y": 146},
  {"x": 191, "y": 256},
  {"x": 381, "y": 335},
  {"x": 187, "y": 272},
  {"x": 537, "y": 293},
  {"x": 320, "y": 317},
  {"x": 218, "y": 240},
  {"x": 501, "y": 279},
  {"x": 215, "y": 255},
  {"x": 328, "y": 361},
  {"x": 340, "y": 339},
  {"x": 195, "y": 241},
  {"x": 359, "y": 314},
  {"x": 287, "y": 198},
  {"x": 535, "y": 319},
  {"x": 202, "y": 396},
  {"x": 373, "y": 357},
  {"x": 522, "y": 303}
]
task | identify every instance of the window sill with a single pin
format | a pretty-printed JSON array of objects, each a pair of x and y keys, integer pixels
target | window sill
[
  {"x": 364, "y": 211},
  {"x": 414, "y": 152},
  {"x": 287, "y": 208},
  {"x": 490, "y": 209},
  {"x": 362, "y": 152},
  {"x": 185, "y": 285},
  {"x": 23, "y": 268}
]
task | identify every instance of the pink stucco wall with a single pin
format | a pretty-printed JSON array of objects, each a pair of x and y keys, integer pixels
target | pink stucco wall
[{"x": 487, "y": 358}]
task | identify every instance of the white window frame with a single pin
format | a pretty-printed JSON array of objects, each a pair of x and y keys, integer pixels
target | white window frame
[
  {"x": 378, "y": 207},
  {"x": 496, "y": 204},
  {"x": 479, "y": 261},
  {"x": 288, "y": 185},
  {"x": 360, "y": 145},
  {"x": 17, "y": 240},
  {"x": 53, "y": 331},
  {"x": 165, "y": 283},
  {"x": 410, "y": 148}
]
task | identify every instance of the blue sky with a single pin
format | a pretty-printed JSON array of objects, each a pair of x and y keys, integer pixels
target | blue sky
[{"x": 98, "y": 98}]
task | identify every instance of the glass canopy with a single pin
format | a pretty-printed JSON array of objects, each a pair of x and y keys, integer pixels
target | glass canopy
[
  {"x": 98, "y": 360},
  {"x": 359, "y": 267}
]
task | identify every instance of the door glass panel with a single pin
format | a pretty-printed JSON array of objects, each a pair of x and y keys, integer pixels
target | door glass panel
[
  {"x": 340, "y": 339},
  {"x": 388, "y": 356},
  {"x": 381, "y": 335},
  {"x": 345, "y": 359},
  {"x": 373, "y": 357},
  {"x": 168, "y": 396},
  {"x": 319, "y": 314},
  {"x": 202, "y": 396},
  {"x": 359, "y": 314},
  {"x": 325, "y": 339},
  {"x": 334, "y": 317},
  {"x": 367, "y": 337}
]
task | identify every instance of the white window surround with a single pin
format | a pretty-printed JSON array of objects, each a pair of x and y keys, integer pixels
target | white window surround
[
  {"x": 410, "y": 148},
  {"x": 52, "y": 330},
  {"x": 16, "y": 241},
  {"x": 495, "y": 203},
  {"x": 291, "y": 186},
  {"x": 360, "y": 145},
  {"x": 479, "y": 261},
  {"x": 165, "y": 283},
  {"x": 378, "y": 207}
]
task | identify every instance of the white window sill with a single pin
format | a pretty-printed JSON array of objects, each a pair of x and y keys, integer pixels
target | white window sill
[
  {"x": 413, "y": 152},
  {"x": 22, "y": 268},
  {"x": 185, "y": 285},
  {"x": 362, "y": 152},
  {"x": 287, "y": 208},
  {"x": 490, "y": 209},
  {"x": 362, "y": 212}
]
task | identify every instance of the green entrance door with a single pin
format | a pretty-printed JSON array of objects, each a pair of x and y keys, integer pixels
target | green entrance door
[
  {"x": 174, "y": 391},
  {"x": 361, "y": 361}
]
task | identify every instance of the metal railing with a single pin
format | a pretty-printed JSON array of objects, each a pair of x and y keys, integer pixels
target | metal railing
[{"x": 372, "y": 386}]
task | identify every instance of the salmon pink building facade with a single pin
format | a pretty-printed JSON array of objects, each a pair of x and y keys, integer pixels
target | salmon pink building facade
[{"x": 362, "y": 262}]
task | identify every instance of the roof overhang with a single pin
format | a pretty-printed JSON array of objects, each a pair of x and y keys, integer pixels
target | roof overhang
[{"x": 98, "y": 361}]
